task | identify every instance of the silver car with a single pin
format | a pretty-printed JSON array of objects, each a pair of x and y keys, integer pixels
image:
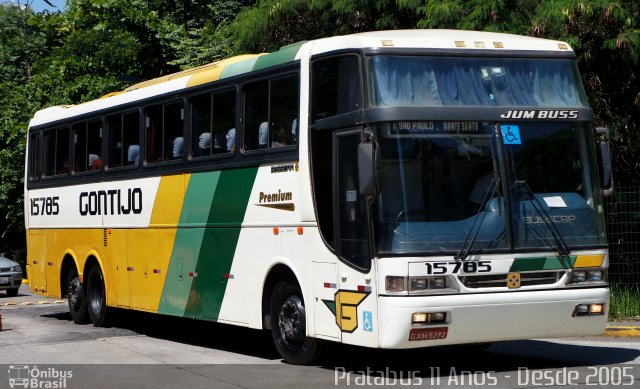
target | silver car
[{"x": 10, "y": 276}]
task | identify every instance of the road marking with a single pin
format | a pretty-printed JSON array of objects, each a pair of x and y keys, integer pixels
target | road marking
[
  {"x": 28, "y": 303},
  {"x": 623, "y": 332},
  {"x": 59, "y": 302},
  {"x": 10, "y": 303},
  {"x": 44, "y": 302}
]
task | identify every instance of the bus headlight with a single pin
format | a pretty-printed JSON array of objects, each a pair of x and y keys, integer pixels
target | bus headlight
[
  {"x": 419, "y": 283},
  {"x": 422, "y": 284},
  {"x": 579, "y": 276},
  {"x": 439, "y": 283},
  {"x": 596, "y": 275},
  {"x": 587, "y": 276}
]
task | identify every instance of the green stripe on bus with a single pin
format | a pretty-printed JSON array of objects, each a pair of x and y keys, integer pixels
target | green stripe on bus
[
  {"x": 285, "y": 54},
  {"x": 195, "y": 211},
  {"x": 219, "y": 244},
  {"x": 542, "y": 263},
  {"x": 238, "y": 68},
  {"x": 232, "y": 196},
  {"x": 198, "y": 199}
]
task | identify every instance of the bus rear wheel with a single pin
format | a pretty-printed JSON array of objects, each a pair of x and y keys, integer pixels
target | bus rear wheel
[
  {"x": 77, "y": 298},
  {"x": 289, "y": 326},
  {"x": 96, "y": 297}
]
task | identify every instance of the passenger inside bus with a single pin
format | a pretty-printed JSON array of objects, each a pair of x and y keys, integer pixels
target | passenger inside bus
[
  {"x": 263, "y": 135},
  {"x": 231, "y": 140},
  {"x": 95, "y": 162},
  {"x": 133, "y": 155},
  {"x": 178, "y": 147},
  {"x": 204, "y": 144}
]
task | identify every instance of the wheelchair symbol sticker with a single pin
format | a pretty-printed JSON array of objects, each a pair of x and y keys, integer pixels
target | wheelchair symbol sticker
[
  {"x": 367, "y": 321},
  {"x": 511, "y": 134}
]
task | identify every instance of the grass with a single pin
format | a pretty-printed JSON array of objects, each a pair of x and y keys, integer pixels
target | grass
[{"x": 625, "y": 302}]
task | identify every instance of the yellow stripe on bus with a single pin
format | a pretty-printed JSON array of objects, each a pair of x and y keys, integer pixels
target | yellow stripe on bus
[
  {"x": 169, "y": 198},
  {"x": 213, "y": 71},
  {"x": 589, "y": 261},
  {"x": 154, "y": 245}
]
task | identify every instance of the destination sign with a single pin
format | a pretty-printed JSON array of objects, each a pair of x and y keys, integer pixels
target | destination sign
[{"x": 435, "y": 128}]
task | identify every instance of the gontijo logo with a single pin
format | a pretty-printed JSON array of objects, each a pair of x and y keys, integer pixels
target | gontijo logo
[
  {"x": 32, "y": 377},
  {"x": 345, "y": 308}
]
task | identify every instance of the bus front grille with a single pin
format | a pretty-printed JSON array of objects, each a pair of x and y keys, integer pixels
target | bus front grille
[{"x": 500, "y": 280}]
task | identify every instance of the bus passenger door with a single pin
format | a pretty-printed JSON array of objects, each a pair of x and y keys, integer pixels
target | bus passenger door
[
  {"x": 145, "y": 251},
  {"x": 355, "y": 300},
  {"x": 352, "y": 214},
  {"x": 325, "y": 277},
  {"x": 37, "y": 261},
  {"x": 118, "y": 250}
]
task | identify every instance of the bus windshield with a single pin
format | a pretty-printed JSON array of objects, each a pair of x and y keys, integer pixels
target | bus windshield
[
  {"x": 442, "y": 183},
  {"x": 421, "y": 81}
]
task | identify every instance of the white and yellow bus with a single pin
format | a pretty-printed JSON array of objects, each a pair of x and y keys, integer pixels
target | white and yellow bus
[{"x": 393, "y": 189}]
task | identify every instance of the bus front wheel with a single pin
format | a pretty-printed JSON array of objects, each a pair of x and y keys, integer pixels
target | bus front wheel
[
  {"x": 77, "y": 298},
  {"x": 289, "y": 327},
  {"x": 96, "y": 297}
]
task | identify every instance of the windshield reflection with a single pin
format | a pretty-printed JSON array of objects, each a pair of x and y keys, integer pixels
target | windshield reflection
[
  {"x": 421, "y": 81},
  {"x": 435, "y": 175}
]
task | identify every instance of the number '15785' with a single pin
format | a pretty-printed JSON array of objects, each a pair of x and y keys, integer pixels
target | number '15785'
[
  {"x": 45, "y": 206},
  {"x": 457, "y": 267}
]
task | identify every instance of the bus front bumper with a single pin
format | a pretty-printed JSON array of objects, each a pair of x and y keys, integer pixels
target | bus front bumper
[{"x": 490, "y": 317}]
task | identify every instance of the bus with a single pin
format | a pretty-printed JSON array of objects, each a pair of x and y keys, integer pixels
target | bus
[{"x": 391, "y": 189}]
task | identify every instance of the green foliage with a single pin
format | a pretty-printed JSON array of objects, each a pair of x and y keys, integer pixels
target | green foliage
[
  {"x": 271, "y": 24},
  {"x": 625, "y": 302}
]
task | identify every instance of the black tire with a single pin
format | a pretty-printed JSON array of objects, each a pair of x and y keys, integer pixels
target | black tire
[
  {"x": 96, "y": 297},
  {"x": 77, "y": 298},
  {"x": 288, "y": 325},
  {"x": 13, "y": 292}
]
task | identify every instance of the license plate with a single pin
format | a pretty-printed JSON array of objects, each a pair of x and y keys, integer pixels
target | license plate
[
  {"x": 4, "y": 280},
  {"x": 428, "y": 333}
]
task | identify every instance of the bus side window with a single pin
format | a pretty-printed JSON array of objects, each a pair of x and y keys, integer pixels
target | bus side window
[
  {"x": 153, "y": 133},
  {"x": 123, "y": 144},
  {"x": 131, "y": 139},
  {"x": 164, "y": 128},
  {"x": 94, "y": 145},
  {"x": 34, "y": 157},
  {"x": 201, "y": 126},
  {"x": 87, "y": 140},
  {"x": 256, "y": 112},
  {"x": 224, "y": 121},
  {"x": 336, "y": 87},
  {"x": 173, "y": 131},
  {"x": 284, "y": 111},
  {"x": 271, "y": 113},
  {"x": 56, "y": 152}
]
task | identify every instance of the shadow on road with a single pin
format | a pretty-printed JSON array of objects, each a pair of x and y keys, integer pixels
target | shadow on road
[
  {"x": 503, "y": 356},
  {"x": 189, "y": 331}
]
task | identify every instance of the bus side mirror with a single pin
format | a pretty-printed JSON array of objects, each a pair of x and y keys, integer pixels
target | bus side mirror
[
  {"x": 605, "y": 160},
  {"x": 366, "y": 169}
]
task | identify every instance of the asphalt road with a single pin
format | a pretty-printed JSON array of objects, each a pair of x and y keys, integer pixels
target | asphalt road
[{"x": 39, "y": 341}]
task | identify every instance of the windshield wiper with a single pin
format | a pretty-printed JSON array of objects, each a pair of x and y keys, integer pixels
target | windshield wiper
[
  {"x": 563, "y": 249},
  {"x": 488, "y": 194}
]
